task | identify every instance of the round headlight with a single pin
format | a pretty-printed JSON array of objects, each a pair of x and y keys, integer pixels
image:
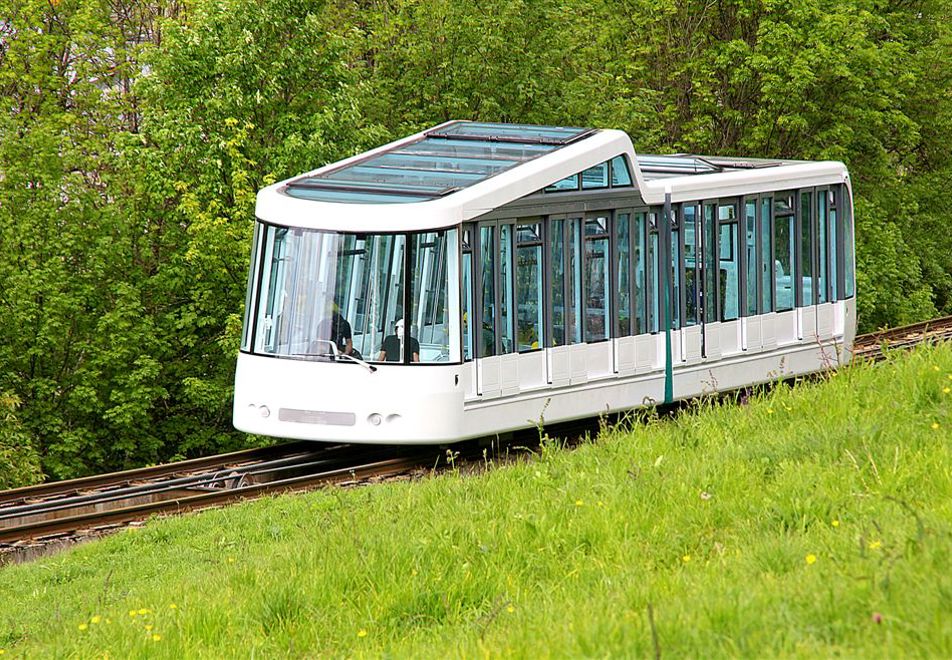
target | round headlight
[
  {"x": 265, "y": 412},
  {"x": 374, "y": 418}
]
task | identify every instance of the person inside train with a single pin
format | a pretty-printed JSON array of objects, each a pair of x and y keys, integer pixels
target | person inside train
[
  {"x": 392, "y": 348},
  {"x": 335, "y": 328}
]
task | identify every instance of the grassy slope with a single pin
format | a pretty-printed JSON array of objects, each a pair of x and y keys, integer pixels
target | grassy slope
[{"x": 713, "y": 519}]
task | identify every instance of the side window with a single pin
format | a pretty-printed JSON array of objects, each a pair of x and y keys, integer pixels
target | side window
[
  {"x": 836, "y": 244},
  {"x": 710, "y": 242},
  {"x": 766, "y": 256},
  {"x": 595, "y": 177},
  {"x": 640, "y": 236},
  {"x": 807, "y": 246},
  {"x": 822, "y": 274},
  {"x": 487, "y": 330},
  {"x": 675, "y": 302},
  {"x": 728, "y": 273},
  {"x": 692, "y": 269},
  {"x": 506, "y": 343},
  {"x": 621, "y": 176},
  {"x": 623, "y": 270},
  {"x": 784, "y": 237},
  {"x": 530, "y": 324},
  {"x": 596, "y": 280},
  {"x": 751, "y": 254},
  {"x": 847, "y": 220},
  {"x": 557, "y": 294},
  {"x": 612, "y": 173},
  {"x": 466, "y": 300},
  {"x": 652, "y": 267},
  {"x": 574, "y": 318}
]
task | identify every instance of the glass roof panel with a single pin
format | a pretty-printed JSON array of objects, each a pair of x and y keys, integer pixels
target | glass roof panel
[
  {"x": 517, "y": 132},
  {"x": 673, "y": 164},
  {"x": 352, "y": 197},
  {"x": 404, "y": 161},
  {"x": 387, "y": 178},
  {"x": 446, "y": 159},
  {"x": 475, "y": 149}
]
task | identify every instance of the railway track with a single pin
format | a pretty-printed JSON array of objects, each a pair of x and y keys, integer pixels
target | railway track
[
  {"x": 36, "y": 518},
  {"x": 874, "y": 345}
]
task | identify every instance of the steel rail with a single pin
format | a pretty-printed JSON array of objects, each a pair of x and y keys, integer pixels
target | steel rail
[
  {"x": 115, "y": 479},
  {"x": 872, "y": 345},
  {"x": 48, "y": 528}
]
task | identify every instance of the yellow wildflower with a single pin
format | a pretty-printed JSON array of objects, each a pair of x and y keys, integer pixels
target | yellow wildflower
[
  {"x": 143, "y": 611},
  {"x": 770, "y": 411},
  {"x": 2, "y": 651},
  {"x": 83, "y": 626},
  {"x": 156, "y": 637},
  {"x": 173, "y": 606},
  {"x": 811, "y": 559},
  {"x": 686, "y": 558},
  {"x": 875, "y": 545},
  {"x": 231, "y": 560},
  {"x": 835, "y": 523},
  {"x": 579, "y": 502},
  {"x": 96, "y": 619},
  {"x": 510, "y": 609},
  {"x": 935, "y": 367},
  {"x": 148, "y": 627},
  {"x": 132, "y": 612},
  {"x": 946, "y": 390},
  {"x": 935, "y": 426},
  {"x": 361, "y": 633}
]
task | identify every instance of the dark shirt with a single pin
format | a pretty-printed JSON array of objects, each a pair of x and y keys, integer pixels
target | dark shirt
[
  {"x": 391, "y": 347},
  {"x": 339, "y": 331}
]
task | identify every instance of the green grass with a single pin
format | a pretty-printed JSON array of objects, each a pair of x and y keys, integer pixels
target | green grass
[{"x": 816, "y": 520}]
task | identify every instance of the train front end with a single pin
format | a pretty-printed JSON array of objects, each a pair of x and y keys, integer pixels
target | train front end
[{"x": 351, "y": 336}]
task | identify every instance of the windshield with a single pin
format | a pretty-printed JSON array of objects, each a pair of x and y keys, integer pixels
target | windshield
[{"x": 323, "y": 294}]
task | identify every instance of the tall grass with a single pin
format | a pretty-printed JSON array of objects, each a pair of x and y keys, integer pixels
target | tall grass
[{"x": 812, "y": 520}]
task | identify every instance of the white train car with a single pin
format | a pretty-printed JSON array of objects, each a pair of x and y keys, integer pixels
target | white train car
[{"x": 475, "y": 278}]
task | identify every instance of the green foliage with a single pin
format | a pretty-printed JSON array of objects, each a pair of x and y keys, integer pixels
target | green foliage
[
  {"x": 19, "y": 462},
  {"x": 757, "y": 530},
  {"x": 134, "y": 136}
]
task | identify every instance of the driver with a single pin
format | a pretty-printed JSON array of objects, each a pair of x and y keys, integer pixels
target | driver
[
  {"x": 391, "y": 351},
  {"x": 336, "y": 328}
]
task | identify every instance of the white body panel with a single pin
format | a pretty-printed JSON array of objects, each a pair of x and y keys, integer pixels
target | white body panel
[{"x": 436, "y": 404}]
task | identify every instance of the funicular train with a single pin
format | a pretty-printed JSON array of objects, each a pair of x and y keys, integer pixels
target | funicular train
[{"x": 475, "y": 278}]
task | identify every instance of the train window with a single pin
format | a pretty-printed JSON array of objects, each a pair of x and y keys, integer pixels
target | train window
[
  {"x": 487, "y": 330},
  {"x": 822, "y": 248},
  {"x": 466, "y": 300},
  {"x": 506, "y": 343},
  {"x": 641, "y": 290},
  {"x": 623, "y": 273},
  {"x": 557, "y": 243},
  {"x": 595, "y": 177},
  {"x": 529, "y": 301},
  {"x": 729, "y": 275},
  {"x": 573, "y": 329},
  {"x": 596, "y": 279},
  {"x": 429, "y": 287},
  {"x": 250, "y": 289},
  {"x": 766, "y": 256},
  {"x": 807, "y": 246},
  {"x": 751, "y": 254},
  {"x": 621, "y": 177},
  {"x": 692, "y": 268},
  {"x": 709, "y": 249},
  {"x": 836, "y": 245},
  {"x": 784, "y": 237},
  {"x": 568, "y": 183},
  {"x": 846, "y": 212},
  {"x": 651, "y": 285},
  {"x": 675, "y": 302}
]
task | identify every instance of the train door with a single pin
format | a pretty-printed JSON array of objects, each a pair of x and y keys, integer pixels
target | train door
[
  {"x": 707, "y": 251},
  {"x": 566, "y": 355},
  {"x": 468, "y": 312},
  {"x": 690, "y": 303},
  {"x": 807, "y": 301},
  {"x": 596, "y": 297},
  {"x": 825, "y": 308},
  {"x": 485, "y": 256}
]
